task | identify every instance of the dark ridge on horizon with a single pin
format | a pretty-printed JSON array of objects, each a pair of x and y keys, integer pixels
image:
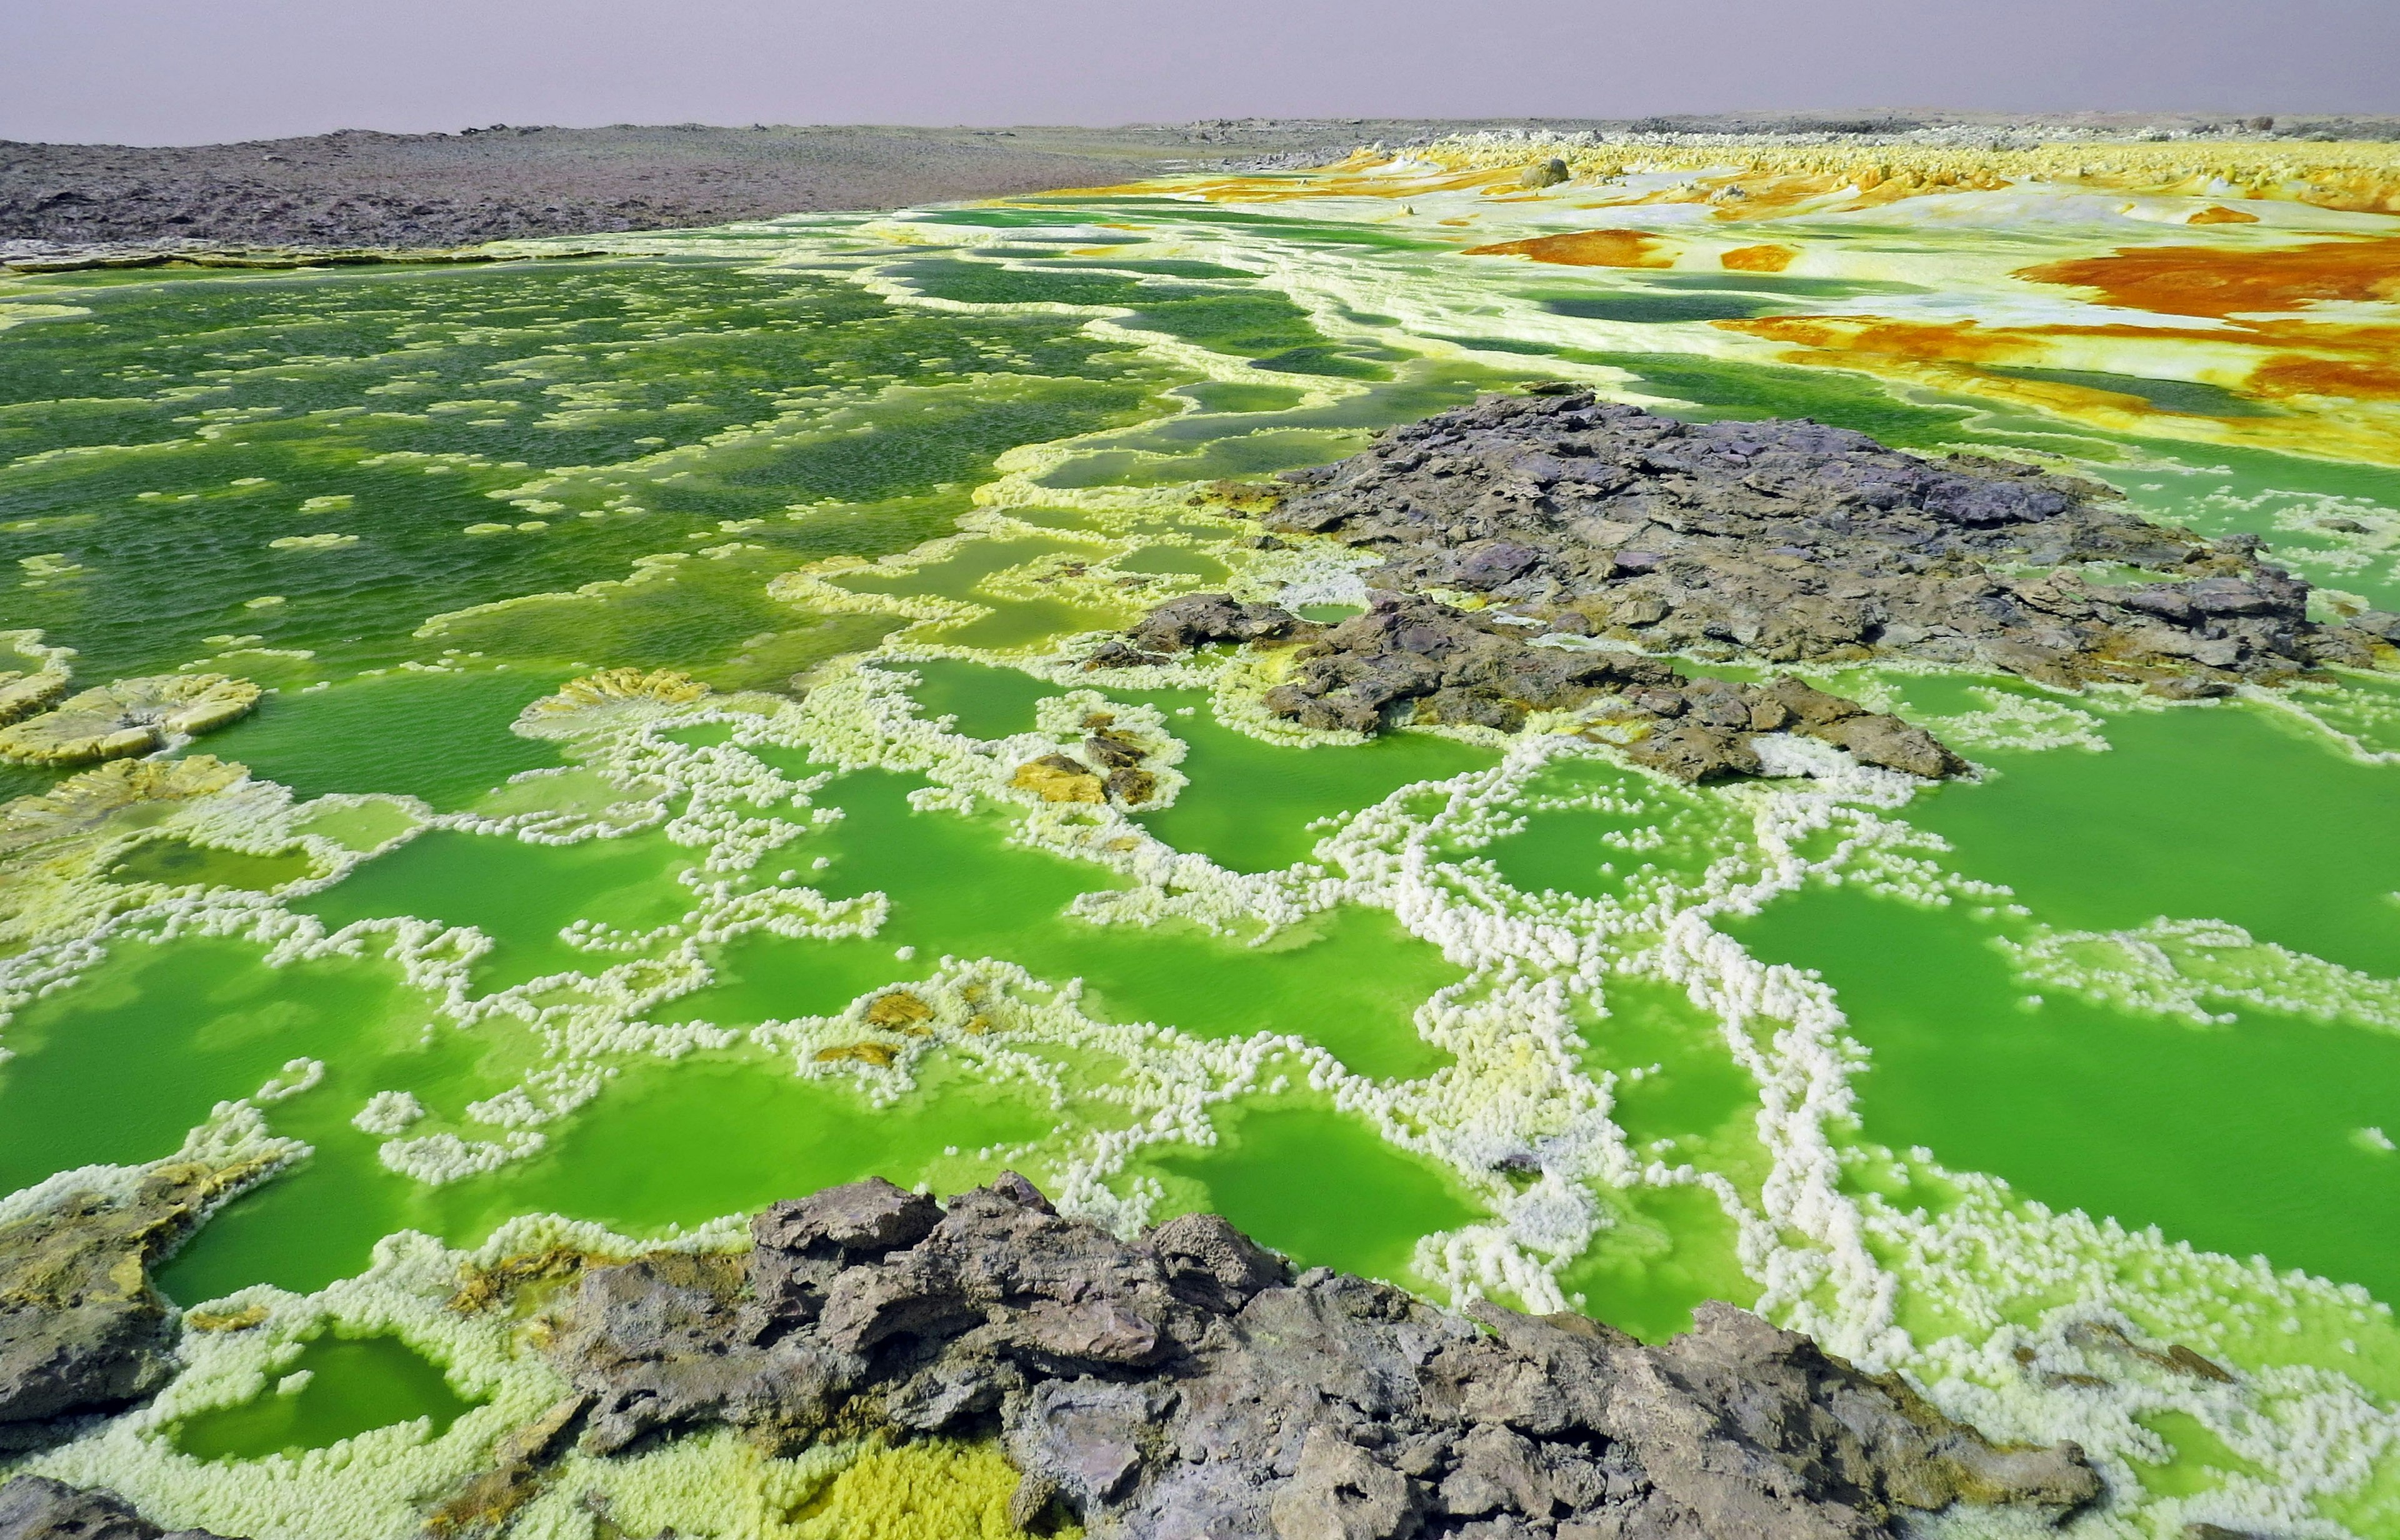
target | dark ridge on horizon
[{"x": 360, "y": 187}]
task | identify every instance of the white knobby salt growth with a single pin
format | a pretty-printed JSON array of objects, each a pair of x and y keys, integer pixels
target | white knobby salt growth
[{"x": 388, "y": 1112}]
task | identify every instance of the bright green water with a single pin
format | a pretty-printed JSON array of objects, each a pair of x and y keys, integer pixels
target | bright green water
[
  {"x": 1336, "y": 992},
  {"x": 352, "y": 1384}
]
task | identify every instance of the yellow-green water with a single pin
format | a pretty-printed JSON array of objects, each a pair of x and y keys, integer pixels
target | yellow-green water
[{"x": 1938, "y": 1073}]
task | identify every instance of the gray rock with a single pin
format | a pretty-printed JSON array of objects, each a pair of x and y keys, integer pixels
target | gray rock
[
  {"x": 81, "y": 1329},
  {"x": 35, "y": 1507},
  {"x": 1414, "y": 658},
  {"x": 1185, "y": 1385},
  {"x": 1199, "y": 620},
  {"x": 1791, "y": 541}
]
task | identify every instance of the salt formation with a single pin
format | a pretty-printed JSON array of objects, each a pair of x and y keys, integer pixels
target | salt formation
[{"x": 130, "y": 717}]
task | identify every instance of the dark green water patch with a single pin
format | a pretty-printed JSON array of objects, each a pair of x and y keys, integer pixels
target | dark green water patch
[
  {"x": 1781, "y": 284},
  {"x": 443, "y": 736},
  {"x": 989, "y": 283},
  {"x": 420, "y": 401},
  {"x": 1631, "y": 305},
  {"x": 1163, "y": 268},
  {"x": 2185, "y": 398},
  {"x": 1219, "y": 396}
]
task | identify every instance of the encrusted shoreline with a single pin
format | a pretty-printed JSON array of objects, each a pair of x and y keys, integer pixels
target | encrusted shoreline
[{"x": 1187, "y": 1384}]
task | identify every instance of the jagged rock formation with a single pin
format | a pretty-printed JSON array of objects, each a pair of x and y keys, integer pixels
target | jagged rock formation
[
  {"x": 35, "y": 1507},
  {"x": 1412, "y": 658},
  {"x": 81, "y": 1330},
  {"x": 1185, "y": 1385},
  {"x": 1790, "y": 541}
]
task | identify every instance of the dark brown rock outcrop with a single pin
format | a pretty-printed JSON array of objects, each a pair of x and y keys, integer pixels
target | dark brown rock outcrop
[
  {"x": 1185, "y": 1385},
  {"x": 1791, "y": 541}
]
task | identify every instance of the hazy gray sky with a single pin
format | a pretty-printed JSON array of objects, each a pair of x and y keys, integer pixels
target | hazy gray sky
[{"x": 191, "y": 71}]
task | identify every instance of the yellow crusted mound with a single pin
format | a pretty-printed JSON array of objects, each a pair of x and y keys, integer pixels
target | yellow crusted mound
[
  {"x": 936, "y": 1490},
  {"x": 617, "y": 686},
  {"x": 130, "y": 717}
]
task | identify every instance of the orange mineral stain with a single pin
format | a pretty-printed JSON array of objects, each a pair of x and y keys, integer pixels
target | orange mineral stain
[
  {"x": 2293, "y": 375},
  {"x": 1757, "y": 259},
  {"x": 2218, "y": 213},
  {"x": 2210, "y": 280},
  {"x": 1582, "y": 249}
]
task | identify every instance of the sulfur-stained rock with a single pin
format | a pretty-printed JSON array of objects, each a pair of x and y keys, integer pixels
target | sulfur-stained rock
[
  {"x": 1057, "y": 778},
  {"x": 22, "y": 694},
  {"x": 1546, "y": 173},
  {"x": 81, "y": 1330},
  {"x": 1184, "y": 1384},
  {"x": 130, "y": 717}
]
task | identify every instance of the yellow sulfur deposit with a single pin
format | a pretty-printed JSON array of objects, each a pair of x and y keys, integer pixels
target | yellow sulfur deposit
[
  {"x": 617, "y": 686},
  {"x": 130, "y": 717},
  {"x": 937, "y": 1490},
  {"x": 81, "y": 803},
  {"x": 22, "y": 694}
]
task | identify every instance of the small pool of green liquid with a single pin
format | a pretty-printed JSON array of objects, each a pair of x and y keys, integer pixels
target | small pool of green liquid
[{"x": 352, "y": 1384}]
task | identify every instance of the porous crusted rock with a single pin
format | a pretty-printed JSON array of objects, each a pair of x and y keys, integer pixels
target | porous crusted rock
[
  {"x": 1199, "y": 620},
  {"x": 1414, "y": 658},
  {"x": 81, "y": 1330},
  {"x": 622, "y": 687},
  {"x": 86, "y": 800},
  {"x": 1185, "y": 1385},
  {"x": 130, "y": 717},
  {"x": 36, "y": 1507},
  {"x": 21, "y": 693},
  {"x": 1791, "y": 541}
]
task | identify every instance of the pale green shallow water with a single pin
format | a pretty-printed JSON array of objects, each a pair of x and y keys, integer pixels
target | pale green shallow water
[{"x": 1429, "y": 1008}]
